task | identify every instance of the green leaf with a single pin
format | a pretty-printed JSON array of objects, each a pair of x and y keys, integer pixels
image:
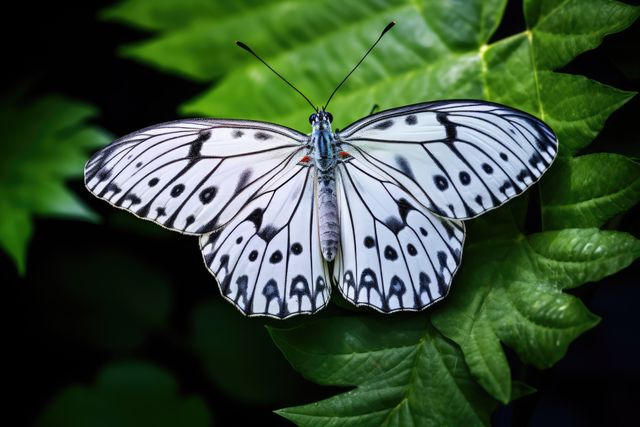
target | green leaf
[
  {"x": 589, "y": 190},
  {"x": 424, "y": 57},
  {"x": 42, "y": 144},
  {"x": 406, "y": 373},
  {"x": 126, "y": 394},
  {"x": 510, "y": 290}
]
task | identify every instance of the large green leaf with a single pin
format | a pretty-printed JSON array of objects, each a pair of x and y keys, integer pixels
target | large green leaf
[
  {"x": 42, "y": 144},
  {"x": 406, "y": 372},
  {"x": 510, "y": 290},
  {"x": 126, "y": 394}
]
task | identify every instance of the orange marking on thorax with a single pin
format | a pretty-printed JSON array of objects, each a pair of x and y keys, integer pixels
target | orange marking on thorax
[
  {"x": 305, "y": 159},
  {"x": 344, "y": 154}
]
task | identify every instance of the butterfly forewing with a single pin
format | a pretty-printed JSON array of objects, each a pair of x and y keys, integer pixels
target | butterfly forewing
[
  {"x": 267, "y": 260},
  {"x": 394, "y": 254},
  {"x": 192, "y": 176},
  {"x": 457, "y": 158}
]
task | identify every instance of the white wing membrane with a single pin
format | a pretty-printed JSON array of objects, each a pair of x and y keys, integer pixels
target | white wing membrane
[
  {"x": 394, "y": 254},
  {"x": 457, "y": 158},
  {"x": 267, "y": 260},
  {"x": 191, "y": 175}
]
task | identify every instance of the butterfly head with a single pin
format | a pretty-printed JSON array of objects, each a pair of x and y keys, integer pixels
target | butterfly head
[{"x": 321, "y": 120}]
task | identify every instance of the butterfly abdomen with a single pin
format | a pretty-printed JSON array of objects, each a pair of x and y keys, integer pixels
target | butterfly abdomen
[{"x": 328, "y": 215}]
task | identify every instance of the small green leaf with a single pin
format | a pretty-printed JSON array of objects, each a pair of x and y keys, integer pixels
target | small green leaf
[
  {"x": 126, "y": 394},
  {"x": 406, "y": 373},
  {"x": 589, "y": 190},
  {"x": 41, "y": 145}
]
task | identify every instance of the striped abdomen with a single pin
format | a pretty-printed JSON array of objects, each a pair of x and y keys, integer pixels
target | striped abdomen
[{"x": 328, "y": 214}]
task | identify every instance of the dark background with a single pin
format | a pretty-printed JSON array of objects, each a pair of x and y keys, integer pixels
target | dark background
[{"x": 64, "y": 48}]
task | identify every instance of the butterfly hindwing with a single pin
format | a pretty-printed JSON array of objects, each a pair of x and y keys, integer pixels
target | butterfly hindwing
[
  {"x": 394, "y": 254},
  {"x": 267, "y": 260},
  {"x": 191, "y": 175},
  {"x": 457, "y": 158}
]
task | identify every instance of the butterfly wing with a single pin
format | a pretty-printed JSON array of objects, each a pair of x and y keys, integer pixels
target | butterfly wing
[
  {"x": 191, "y": 176},
  {"x": 457, "y": 158},
  {"x": 267, "y": 260},
  {"x": 394, "y": 253}
]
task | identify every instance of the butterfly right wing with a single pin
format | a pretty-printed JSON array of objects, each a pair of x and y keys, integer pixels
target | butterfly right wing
[
  {"x": 267, "y": 260},
  {"x": 194, "y": 175},
  {"x": 395, "y": 254}
]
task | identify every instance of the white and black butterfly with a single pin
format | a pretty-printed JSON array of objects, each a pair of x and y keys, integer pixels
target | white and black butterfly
[{"x": 381, "y": 202}]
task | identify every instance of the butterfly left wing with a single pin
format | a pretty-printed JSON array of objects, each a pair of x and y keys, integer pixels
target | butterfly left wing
[
  {"x": 267, "y": 260},
  {"x": 457, "y": 158},
  {"x": 395, "y": 255},
  {"x": 191, "y": 175}
]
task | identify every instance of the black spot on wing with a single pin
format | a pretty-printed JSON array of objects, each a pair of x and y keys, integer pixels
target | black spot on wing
[
  {"x": 300, "y": 288},
  {"x": 487, "y": 168},
  {"x": 275, "y": 257},
  {"x": 441, "y": 182},
  {"x": 244, "y": 178},
  {"x": 450, "y": 128},
  {"x": 237, "y": 134},
  {"x": 256, "y": 218},
  {"x": 390, "y": 253},
  {"x": 103, "y": 175},
  {"x": 465, "y": 178},
  {"x": 296, "y": 248},
  {"x": 135, "y": 200},
  {"x": 424, "y": 285},
  {"x": 403, "y": 209},
  {"x": 177, "y": 190},
  {"x": 267, "y": 233},
  {"x": 384, "y": 125},
  {"x": 394, "y": 224},
  {"x": 270, "y": 291},
  {"x": 263, "y": 136},
  {"x": 397, "y": 288},
  {"x": 153, "y": 182},
  {"x": 207, "y": 195},
  {"x": 411, "y": 120},
  {"x": 404, "y": 166},
  {"x": 369, "y": 242}
]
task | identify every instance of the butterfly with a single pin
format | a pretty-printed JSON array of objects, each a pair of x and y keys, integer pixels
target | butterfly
[{"x": 375, "y": 209}]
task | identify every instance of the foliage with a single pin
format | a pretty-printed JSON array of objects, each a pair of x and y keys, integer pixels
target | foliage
[
  {"x": 42, "y": 144},
  {"x": 448, "y": 365},
  {"x": 126, "y": 394}
]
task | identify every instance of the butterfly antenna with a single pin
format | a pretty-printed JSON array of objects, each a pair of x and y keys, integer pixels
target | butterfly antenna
[
  {"x": 248, "y": 49},
  {"x": 387, "y": 28}
]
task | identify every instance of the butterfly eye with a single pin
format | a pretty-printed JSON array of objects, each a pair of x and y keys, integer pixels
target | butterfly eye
[
  {"x": 312, "y": 118},
  {"x": 329, "y": 117}
]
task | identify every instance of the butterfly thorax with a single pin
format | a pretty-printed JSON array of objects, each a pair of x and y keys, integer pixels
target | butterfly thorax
[{"x": 325, "y": 159}]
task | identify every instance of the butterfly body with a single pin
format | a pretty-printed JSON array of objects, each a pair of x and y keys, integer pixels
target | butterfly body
[{"x": 325, "y": 158}]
